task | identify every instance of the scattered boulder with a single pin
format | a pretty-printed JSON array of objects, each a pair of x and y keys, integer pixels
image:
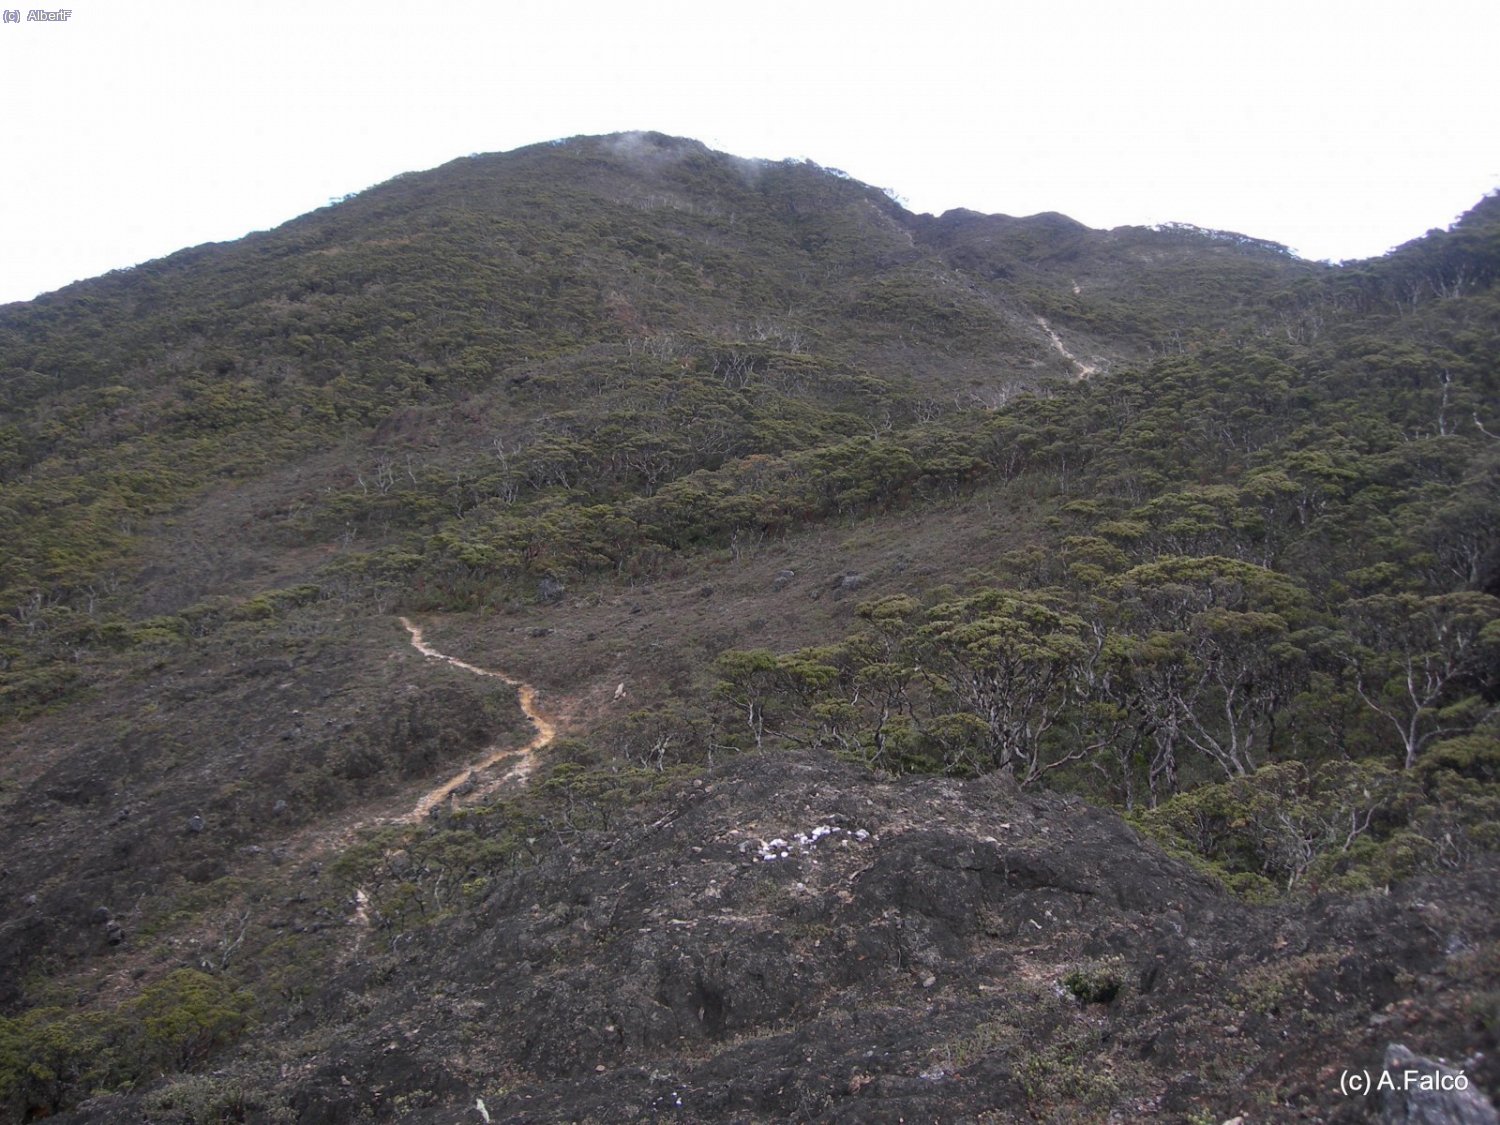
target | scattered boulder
[
  {"x": 783, "y": 579},
  {"x": 205, "y": 871},
  {"x": 114, "y": 933},
  {"x": 195, "y": 823}
]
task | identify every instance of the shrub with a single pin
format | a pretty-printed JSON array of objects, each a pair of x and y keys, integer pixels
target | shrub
[
  {"x": 50, "y": 1057},
  {"x": 1097, "y": 982}
]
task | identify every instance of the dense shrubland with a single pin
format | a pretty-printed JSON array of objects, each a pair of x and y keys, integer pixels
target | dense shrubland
[{"x": 1270, "y": 582}]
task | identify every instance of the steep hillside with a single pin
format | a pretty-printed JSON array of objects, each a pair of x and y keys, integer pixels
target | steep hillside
[{"x": 797, "y": 513}]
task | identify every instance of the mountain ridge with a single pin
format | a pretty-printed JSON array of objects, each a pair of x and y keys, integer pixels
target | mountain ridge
[{"x": 796, "y": 512}]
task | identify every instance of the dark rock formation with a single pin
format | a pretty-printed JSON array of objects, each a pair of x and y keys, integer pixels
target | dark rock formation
[{"x": 795, "y": 939}]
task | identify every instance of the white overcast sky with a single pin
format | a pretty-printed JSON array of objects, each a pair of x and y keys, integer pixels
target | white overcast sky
[{"x": 138, "y": 127}]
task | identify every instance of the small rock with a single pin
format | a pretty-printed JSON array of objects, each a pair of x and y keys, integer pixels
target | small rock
[
  {"x": 783, "y": 579},
  {"x": 100, "y": 915},
  {"x": 539, "y": 631},
  {"x": 195, "y": 823}
]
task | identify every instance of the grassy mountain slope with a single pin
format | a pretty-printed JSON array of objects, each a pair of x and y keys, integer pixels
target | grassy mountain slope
[{"x": 779, "y": 494}]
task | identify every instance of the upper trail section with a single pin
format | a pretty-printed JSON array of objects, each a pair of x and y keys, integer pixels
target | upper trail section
[
  {"x": 1084, "y": 369},
  {"x": 546, "y": 731}
]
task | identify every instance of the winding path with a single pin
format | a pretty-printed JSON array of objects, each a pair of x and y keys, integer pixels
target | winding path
[{"x": 524, "y": 756}]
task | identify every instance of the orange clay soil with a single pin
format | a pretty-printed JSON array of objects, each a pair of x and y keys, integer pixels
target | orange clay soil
[{"x": 524, "y": 757}]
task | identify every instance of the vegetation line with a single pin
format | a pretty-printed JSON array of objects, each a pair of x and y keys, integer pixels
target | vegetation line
[{"x": 526, "y": 695}]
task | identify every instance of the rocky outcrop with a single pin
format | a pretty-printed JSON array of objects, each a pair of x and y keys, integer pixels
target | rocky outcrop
[{"x": 789, "y": 938}]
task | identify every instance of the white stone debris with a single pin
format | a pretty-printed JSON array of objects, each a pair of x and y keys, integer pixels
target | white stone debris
[{"x": 804, "y": 842}]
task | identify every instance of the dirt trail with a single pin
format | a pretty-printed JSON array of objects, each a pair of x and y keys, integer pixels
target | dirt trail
[
  {"x": 524, "y": 756},
  {"x": 316, "y": 841},
  {"x": 1084, "y": 369}
]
